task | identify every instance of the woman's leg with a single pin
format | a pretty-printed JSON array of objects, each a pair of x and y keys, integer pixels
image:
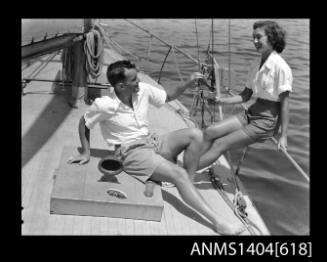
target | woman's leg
[
  {"x": 218, "y": 130},
  {"x": 233, "y": 140}
]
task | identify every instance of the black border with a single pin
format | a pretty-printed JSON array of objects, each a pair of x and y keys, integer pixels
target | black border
[{"x": 146, "y": 247}]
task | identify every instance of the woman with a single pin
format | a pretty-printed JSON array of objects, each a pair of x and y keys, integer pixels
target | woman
[{"x": 270, "y": 81}]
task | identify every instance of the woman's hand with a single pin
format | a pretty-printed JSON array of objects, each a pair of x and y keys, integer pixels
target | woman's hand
[
  {"x": 282, "y": 143},
  {"x": 80, "y": 159}
]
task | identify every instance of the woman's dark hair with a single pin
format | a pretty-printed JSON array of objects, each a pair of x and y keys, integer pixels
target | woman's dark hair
[
  {"x": 276, "y": 35},
  {"x": 116, "y": 70}
]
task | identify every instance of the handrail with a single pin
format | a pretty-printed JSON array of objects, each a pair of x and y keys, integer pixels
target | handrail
[{"x": 292, "y": 161}]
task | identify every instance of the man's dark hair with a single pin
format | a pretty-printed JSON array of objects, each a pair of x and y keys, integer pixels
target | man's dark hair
[
  {"x": 116, "y": 71},
  {"x": 276, "y": 34}
]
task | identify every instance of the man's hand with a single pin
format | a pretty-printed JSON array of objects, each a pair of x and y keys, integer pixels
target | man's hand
[
  {"x": 196, "y": 75},
  {"x": 80, "y": 159},
  {"x": 198, "y": 78}
]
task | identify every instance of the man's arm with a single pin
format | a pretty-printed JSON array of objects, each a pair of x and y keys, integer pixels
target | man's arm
[
  {"x": 84, "y": 135},
  {"x": 176, "y": 91}
]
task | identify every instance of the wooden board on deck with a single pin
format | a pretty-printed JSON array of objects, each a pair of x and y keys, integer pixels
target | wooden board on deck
[{"x": 82, "y": 190}]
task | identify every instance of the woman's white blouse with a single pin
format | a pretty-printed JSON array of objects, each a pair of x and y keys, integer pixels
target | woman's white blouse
[{"x": 273, "y": 78}]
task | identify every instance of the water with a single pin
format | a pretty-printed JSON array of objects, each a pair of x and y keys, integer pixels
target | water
[{"x": 278, "y": 190}]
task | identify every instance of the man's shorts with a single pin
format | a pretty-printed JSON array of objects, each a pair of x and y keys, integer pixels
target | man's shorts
[
  {"x": 260, "y": 120},
  {"x": 142, "y": 157}
]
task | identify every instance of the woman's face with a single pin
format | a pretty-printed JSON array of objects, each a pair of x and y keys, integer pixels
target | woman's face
[{"x": 260, "y": 41}]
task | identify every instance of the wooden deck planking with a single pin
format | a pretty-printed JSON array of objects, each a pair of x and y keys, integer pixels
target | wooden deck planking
[
  {"x": 32, "y": 207},
  {"x": 175, "y": 216},
  {"x": 112, "y": 225},
  {"x": 169, "y": 217},
  {"x": 55, "y": 225},
  {"x": 41, "y": 192},
  {"x": 121, "y": 226},
  {"x": 130, "y": 225},
  {"x": 68, "y": 228},
  {"x": 186, "y": 220},
  {"x": 77, "y": 225},
  {"x": 96, "y": 225}
]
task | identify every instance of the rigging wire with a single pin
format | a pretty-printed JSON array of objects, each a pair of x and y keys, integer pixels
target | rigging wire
[
  {"x": 197, "y": 43},
  {"x": 213, "y": 72},
  {"x": 229, "y": 53}
]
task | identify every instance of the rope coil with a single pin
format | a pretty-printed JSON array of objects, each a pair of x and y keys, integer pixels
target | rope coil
[{"x": 93, "y": 48}]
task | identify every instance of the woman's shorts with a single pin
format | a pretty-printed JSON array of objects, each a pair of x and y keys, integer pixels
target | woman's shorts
[
  {"x": 142, "y": 157},
  {"x": 260, "y": 120}
]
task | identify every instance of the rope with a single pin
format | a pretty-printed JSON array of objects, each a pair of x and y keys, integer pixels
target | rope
[
  {"x": 93, "y": 48},
  {"x": 238, "y": 209}
]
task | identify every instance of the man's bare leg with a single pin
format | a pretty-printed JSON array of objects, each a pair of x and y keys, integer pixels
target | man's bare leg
[
  {"x": 172, "y": 173},
  {"x": 189, "y": 140}
]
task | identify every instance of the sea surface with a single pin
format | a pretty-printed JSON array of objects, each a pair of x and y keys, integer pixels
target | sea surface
[{"x": 279, "y": 191}]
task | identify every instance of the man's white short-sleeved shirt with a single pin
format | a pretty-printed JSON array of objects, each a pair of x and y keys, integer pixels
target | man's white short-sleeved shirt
[
  {"x": 118, "y": 122},
  {"x": 273, "y": 78}
]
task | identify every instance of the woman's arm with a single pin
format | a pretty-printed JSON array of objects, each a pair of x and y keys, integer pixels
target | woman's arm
[
  {"x": 242, "y": 97},
  {"x": 284, "y": 119}
]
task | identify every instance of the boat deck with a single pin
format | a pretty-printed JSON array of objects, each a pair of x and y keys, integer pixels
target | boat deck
[{"x": 49, "y": 124}]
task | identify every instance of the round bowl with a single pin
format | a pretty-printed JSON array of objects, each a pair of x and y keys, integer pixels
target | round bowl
[{"x": 110, "y": 166}]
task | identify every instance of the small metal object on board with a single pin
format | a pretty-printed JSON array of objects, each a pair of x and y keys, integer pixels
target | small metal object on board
[{"x": 116, "y": 193}]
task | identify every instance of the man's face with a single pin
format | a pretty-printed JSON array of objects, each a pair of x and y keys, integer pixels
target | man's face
[{"x": 131, "y": 82}]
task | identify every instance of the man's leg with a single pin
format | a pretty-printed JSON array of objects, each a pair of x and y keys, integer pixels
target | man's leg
[
  {"x": 231, "y": 141},
  {"x": 188, "y": 140},
  {"x": 172, "y": 173}
]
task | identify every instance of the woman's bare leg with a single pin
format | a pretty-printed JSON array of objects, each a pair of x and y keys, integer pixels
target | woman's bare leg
[
  {"x": 219, "y": 130},
  {"x": 233, "y": 140}
]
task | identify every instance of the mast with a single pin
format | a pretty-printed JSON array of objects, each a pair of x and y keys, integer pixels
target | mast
[{"x": 79, "y": 73}]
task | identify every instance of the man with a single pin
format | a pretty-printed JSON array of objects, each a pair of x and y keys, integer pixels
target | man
[{"x": 123, "y": 120}]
